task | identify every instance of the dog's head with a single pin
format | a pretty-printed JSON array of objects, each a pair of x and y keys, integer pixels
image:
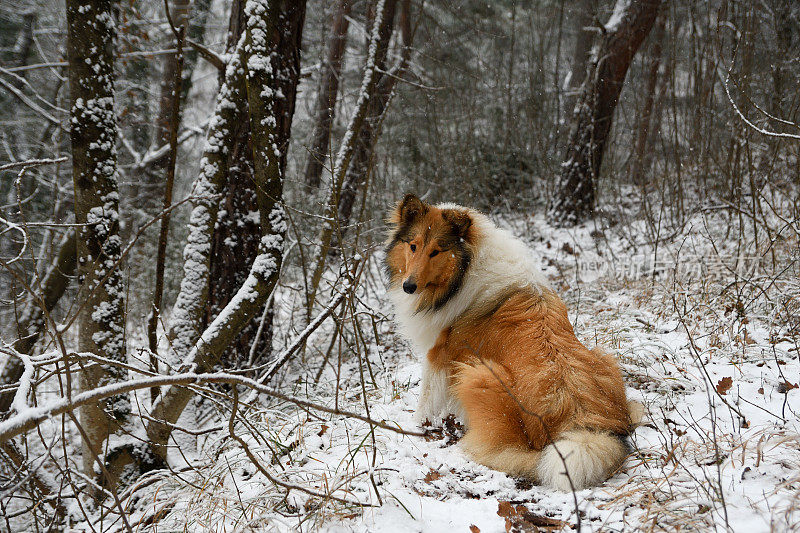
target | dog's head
[{"x": 429, "y": 250}]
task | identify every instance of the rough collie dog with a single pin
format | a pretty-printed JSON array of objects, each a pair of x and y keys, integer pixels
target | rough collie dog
[{"x": 500, "y": 351}]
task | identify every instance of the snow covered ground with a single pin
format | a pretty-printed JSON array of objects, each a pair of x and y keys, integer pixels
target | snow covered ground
[{"x": 708, "y": 345}]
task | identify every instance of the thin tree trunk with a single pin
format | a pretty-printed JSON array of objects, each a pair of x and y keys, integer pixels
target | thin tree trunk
[
  {"x": 357, "y": 173},
  {"x": 327, "y": 94},
  {"x": 31, "y": 323},
  {"x": 24, "y": 45},
  {"x": 152, "y": 188},
  {"x": 583, "y": 13},
  {"x": 379, "y": 39},
  {"x": 190, "y": 306},
  {"x": 93, "y": 132},
  {"x": 180, "y": 14},
  {"x": 175, "y": 118},
  {"x": 629, "y": 25},
  {"x": 645, "y": 120},
  {"x": 195, "y": 33},
  {"x": 271, "y": 51}
]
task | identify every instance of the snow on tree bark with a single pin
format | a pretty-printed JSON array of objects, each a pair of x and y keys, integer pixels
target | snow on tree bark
[
  {"x": 378, "y": 39},
  {"x": 189, "y": 309},
  {"x": 93, "y": 132},
  {"x": 327, "y": 93},
  {"x": 624, "y": 32},
  {"x": 269, "y": 55}
]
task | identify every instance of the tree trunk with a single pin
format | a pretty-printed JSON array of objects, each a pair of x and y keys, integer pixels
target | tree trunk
[
  {"x": 152, "y": 179},
  {"x": 271, "y": 51},
  {"x": 583, "y": 13},
  {"x": 238, "y": 233},
  {"x": 327, "y": 93},
  {"x": 645, "y": 120},
  {"x": 629, "y": 25},
  {"x": 180, "y": 16},
  {"x": 31, "y": 323},
  {"x": 24, "y": 44},
  {"x": 187, "y": 321},
  {"x": 93, "y": 132},
  {"x": 379, "y": 40},
  {"x": 196, "y": 31},
  {"x": 357, "y": 173}
]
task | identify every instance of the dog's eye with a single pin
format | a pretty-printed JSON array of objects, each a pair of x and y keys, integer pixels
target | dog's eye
[
  {"x": 434, "y": 253},
  {"x": 413, "y": 247}
]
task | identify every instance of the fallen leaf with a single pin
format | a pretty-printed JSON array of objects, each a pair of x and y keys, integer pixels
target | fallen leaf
[
  {"x": 323, "y": 430},
  {"x": 521, "y": 519},
  {"x": 785, "y": 386},
  {"x": 433, "y": 475},
  {"x": 474, "y": 529},
  {"x": 504, "y": 509},
  {"x": 724, "y": 385}
]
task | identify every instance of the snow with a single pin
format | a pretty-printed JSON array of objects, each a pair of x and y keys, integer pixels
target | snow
[
  {"x": 617, "y": 16},
  {"x": 696, "y": 463},
  {"x": 186, "y": 314}
]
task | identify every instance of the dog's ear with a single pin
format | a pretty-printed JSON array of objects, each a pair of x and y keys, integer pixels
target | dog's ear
[
  {"x": 460, "y": 221},
  {"x": 408, "y": 210}
]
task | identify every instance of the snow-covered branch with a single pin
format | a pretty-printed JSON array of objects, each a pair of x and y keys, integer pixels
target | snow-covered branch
[{"x": 33, "y": 416}]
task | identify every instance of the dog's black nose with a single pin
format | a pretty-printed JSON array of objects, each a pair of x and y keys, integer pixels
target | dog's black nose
[{"x": 409, "y": 286}]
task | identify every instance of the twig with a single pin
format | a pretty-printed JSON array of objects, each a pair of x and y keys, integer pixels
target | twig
[
  {"x": 33, "y": 163},
  {"x": 300, "y": 340},
  {"x": 254, "y": 460},
  {"x": 34, "y": 416}
]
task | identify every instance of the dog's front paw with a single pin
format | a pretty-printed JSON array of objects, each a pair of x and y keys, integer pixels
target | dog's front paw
[
  {"x": 425, "y": 416},
  {"x": 434, "y": 398}
]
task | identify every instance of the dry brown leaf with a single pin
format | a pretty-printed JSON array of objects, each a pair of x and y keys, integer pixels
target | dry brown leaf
[
  {"x": 724, "y": 385},
  {"x": 433, "y": 475},
  {"x": 521, "y": 519},
  {"x": 474, "y": 529},
  {"x": 504, "y": 509}
]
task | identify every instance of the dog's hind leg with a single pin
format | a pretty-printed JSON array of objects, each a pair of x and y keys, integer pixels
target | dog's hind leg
[{"x": 495, "y": 434}]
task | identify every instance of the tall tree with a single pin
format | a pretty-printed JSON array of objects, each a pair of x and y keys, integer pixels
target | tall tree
[
  {"x": 621, "y": 37},
  {"x": 93, "y": 133},
  {"x": 582, "y": 16},
  {"x": 327, "y": 93},
  {"x": 643, "y": 130},
  {"x": 180, "y": 15},
  {"x": 238, "y": 232},
  {"x": 356, "y": 177},
  {"x": 264, "y": 94},
  {"x": 379, "y": 39}
]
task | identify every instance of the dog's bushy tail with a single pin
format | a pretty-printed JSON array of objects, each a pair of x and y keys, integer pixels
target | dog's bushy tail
[{"x": 590, "y": 457}]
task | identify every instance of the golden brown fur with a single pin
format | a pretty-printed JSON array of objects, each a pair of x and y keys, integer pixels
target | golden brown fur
[{"x": 513, "y": 362}]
